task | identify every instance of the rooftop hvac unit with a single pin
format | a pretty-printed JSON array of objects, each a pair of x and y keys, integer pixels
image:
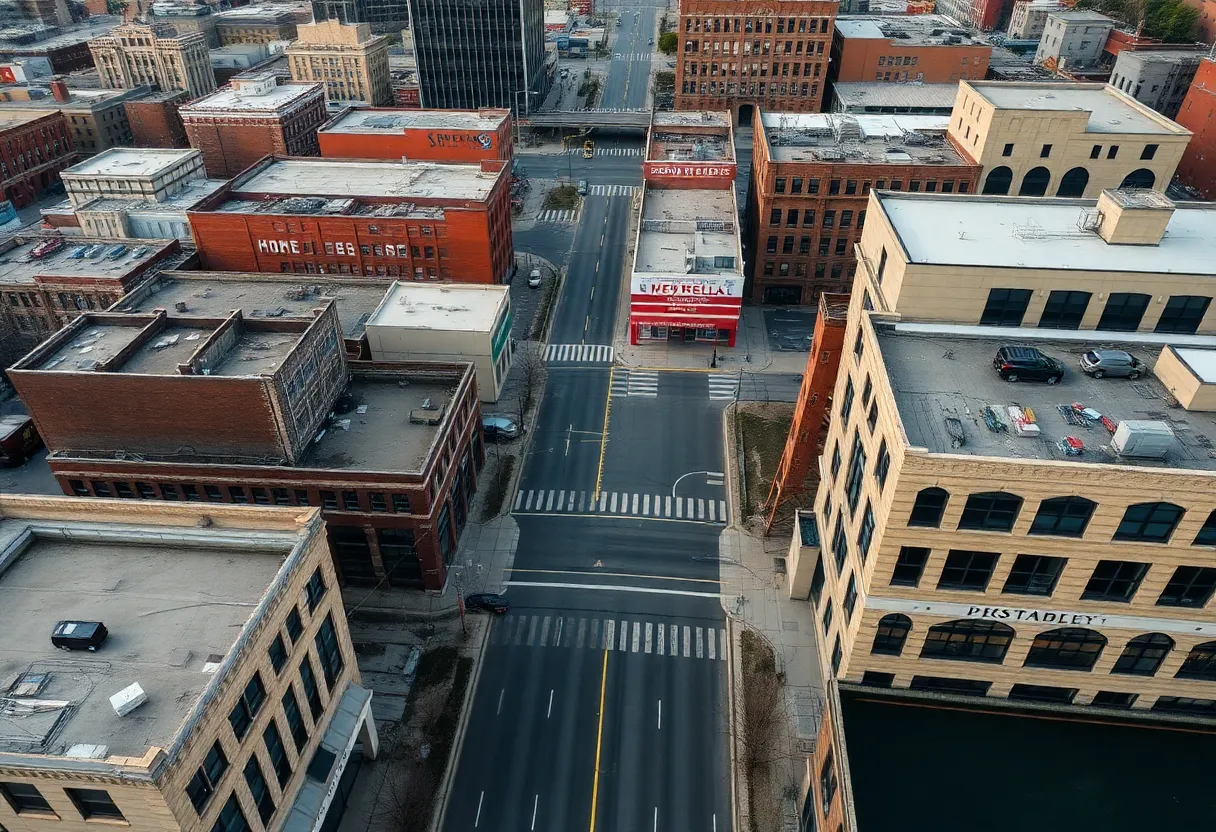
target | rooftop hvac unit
[
  {"x": 1143, "y": 439},
  {"x": 128, "y": 699}
]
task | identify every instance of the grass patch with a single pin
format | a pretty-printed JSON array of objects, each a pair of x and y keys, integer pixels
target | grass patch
[
  {"x": 500, "y": 483},
  {"x": 561, "y": 198},
  {"x": 762, "y": 429}
]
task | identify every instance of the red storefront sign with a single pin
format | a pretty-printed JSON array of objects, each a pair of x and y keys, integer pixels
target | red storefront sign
[
  {"x": 686, "y": 302},
  {"x": 694, "y": 174}
]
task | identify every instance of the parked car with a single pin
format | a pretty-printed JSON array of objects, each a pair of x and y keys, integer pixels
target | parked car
[
  {"x": 534, "y": 279},
  {"x": 499, "y": 428},
  {"x": 487, "y": 601},
  {"x": 1017, "y": 363},
  {"x": 650, "y": 42},
  {"x": 582, "y": 187},
  {"x": 1114, "y": 363}
]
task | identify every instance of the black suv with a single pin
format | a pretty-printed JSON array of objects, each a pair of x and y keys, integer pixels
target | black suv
[{"x": 1028, "y": 364}]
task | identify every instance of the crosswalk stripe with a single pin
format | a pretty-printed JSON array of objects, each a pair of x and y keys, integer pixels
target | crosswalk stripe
[
  {"x": 722, "y": 645},
  {"x": 594, "y": 642},
  {"x": 609, "y": 634},
  {"x": 667, "y": 506},
  {"x": 544, "y": 632},
  {"x": 712, "y": 644},
  {"x": 519, "y": 496},
  {"x": 675, "y": 649},
  {"x": 624, "y": 635},
  {"x": 532, "y": 632},
  {"x": 637, "y": 632},
  {"x": 580, "y": 353},
  {"x": 549, "y": 501},
  {"x": 520, "y": 624},
  {"x": 686, "y": 641},
  {"x": 700, "y": 643},
  {"x": 700, "y": 508},
  {"x": 648, "y": 639},
  {"x": 634, "y": 510},
  {"x": 582, "y": 630},
  {"x": 711, "y": 511},
  {"x": 622, "y": 503},
  {"x": 662, "y": 637}
]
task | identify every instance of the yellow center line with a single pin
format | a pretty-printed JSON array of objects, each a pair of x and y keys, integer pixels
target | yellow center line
[
  {"x": 599, "y": 472},
  {"x": 599, "y": 740}
]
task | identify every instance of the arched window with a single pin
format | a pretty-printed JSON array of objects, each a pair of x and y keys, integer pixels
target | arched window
[
  {"x": 1073, "y": 183},
  {"x": 1063, "y": 516},
  {"x": 1069, "y": 648},
  {"x": 892, "y": 633},
  {"x": 1200, "y": 663},
  {"x": 1149, "y": 522},
  {"x": 993, "y": 511},
  {"x": 998, "y": 181},
  {"x": 1144, "y": 654},
  {"x": 1139, "y": 178},
  {"x": 928, "y": 508},
  {"x": 1035, "y": 182},
  {"x": 970, "y": 640}
]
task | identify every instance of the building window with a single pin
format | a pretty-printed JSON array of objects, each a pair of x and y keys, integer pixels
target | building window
[
  {"x": 837, "y": 655},
  {"x": 779, "y": 185},
  {"x": 294, "y": 626},
  {"x": 891, "y": 635},
  {"x": 214, "y": 495},
  {"x": 1183, "y": 314},
  {"x": 301, "y": 497},
  {"x": 1007, "y": 150},
  {"x": 874, "y": 679},
  {"x": 1150, "y": 150},
  {"x": 967, "y": 570},
  {"x": 1149, "y": 522},
  {"x": 1113, "y": 699},
  {"x": 401, "y": 503},
  {"x": 1064, "y": 309},
  {"x": 826, "y": 620},
  {"x": 1144, "y": 654},
  {"x": 827, "y": 783},
  {"x": 101, "y": 488},
  {"x": 865, "y": 534},
  {"x": 857, "y": 468},
  {"x": 929, "y": 506},
  {"x": 377, "y": 501},
  {"x": 278, "y": 654},
  {"x": 835, "y": 458},
  {"x": 1005, "y": 307},
  {"x": 260, "y": 496},
  {"x": 1063, "y": 516},
  {"x": 295, "y": 719},
  {"x": 247, "y": 706},
  {"x": 1095, "y": 151},
  {"x": 258, "y": 788},
  {"x": 1068, "y": 648},
  {"x": 968, "y": 640},
  {"x": 279, "y": 761},
  {"x": 1034, "y": 575},
  {"x": 941, "y": 684},
  {"x": 1185, "y": 705},
  {"x": 883, "y": 465},
  {"x": 1045, "y": 152},
  {"x": 850, "y": 598},
  {"x": 1200, "y": 663},
  {"x": 1042, "y": 693},
  {"x": 231, "y": 818},
  {"x": 191, "y": 493},
  {"x": 1114, "y": 580},
  {"x": 840, "y": 543},
  {"x": 207, "y": 778},
  {"x": 25, "y": 798},
  {"x": 846, "y": 402},
  {"x": 1112, "y": 151},
  {"x": 859, "y": 344},
  {"x": 1190, "y": 586},
  {"x": 328, "y": 651},
  {"x": 994, "y": 511},
  {"x": 312, "y": 694},
  {"x": 94, "y": 803},
  {"x": 329, "y": 500},
  {"x": 909, "y": 566},
  {"x": 314, "y": 590}
]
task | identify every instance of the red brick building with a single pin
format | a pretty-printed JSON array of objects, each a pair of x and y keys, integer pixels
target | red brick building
[
  {"x": 811, "y": 178},
  {"x": 243, "y": 409},
  {"x": 438, "y": 135},
  {"x": 254, "y": 117},
  {"x": 33, "y": 149},
  {"x": 1198, "y": 166},
  {"x": 754, "y": 54},
  {"x": 407, "y": 220},
  {"x": 929, "y": 48},
  {"x": 155, "y": 120}
]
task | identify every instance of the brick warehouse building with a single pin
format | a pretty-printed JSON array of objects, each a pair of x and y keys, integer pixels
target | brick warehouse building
[
  {"x": 1198, "y": 166},
  {"x": 437, "y": 135},
  {"x": 811, "y": 178},
  {"x": 242, "y": 408},
  {"x": 930, "y": 48},
  {"x": 33, "y": 149},
  {"x": 418, "y": 220},
  {"x": 251, "y": 118},
  {"x": 156, "y": 119},
  {"x": 740, "y": 56}
]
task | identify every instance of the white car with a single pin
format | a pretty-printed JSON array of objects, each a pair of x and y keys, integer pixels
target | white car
[{"x": 534, "y": 279}]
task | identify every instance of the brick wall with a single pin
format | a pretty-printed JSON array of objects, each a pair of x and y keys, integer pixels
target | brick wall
[
  {"x": 868, "y": 59},
  {"x": 441, "y": 145},
  {"x": 156, "y": 123},
  {"x": 32, "y": 154},
  {"x": 1198, "y": 166}
]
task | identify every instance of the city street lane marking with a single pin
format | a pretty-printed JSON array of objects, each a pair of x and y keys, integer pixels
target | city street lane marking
[
  {"x": 647, "y": 590},
  {"x": 528, "y": 505},
  {"x": 535, "y": 803},
  {"x": 675, "y": 639},
  {"x": 649, "y": 638},
  {"x": 646, "y": 505},
  {"x": 477, "y": 819},
  {"x": 594, "y": 642},
  {"x": 544, "y": 632},
  {"x": 610, "y": 634},
  {"x": 722, "y": 645},
  {"x": 700, "y": 644},
  {"x": 582, "y": 631},
  {"x": 614, "y": 501},
  {"x": 634, "y": 510},
  {"x": 712, "y": 644},
  {"x": 666, "y": 506},
  {"x": 599, "y": 742},
  {"x": 662, "y": 638},
  {"x": 637, "y": 632},
  {"x": 519, "y": 498},
  {"x": 501, "y": 694},
  {"x": 687, "y": 634},
  {"x": 549, "y": 501},
  {"x": 549, "y": 712},
  {"x": 624, "y": 635},
  {"x": 660, "y": 714},
  {"x": 532, "y": 632}
]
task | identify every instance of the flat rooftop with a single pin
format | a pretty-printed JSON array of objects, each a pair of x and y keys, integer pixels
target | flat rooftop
[
  {"x": 678, "y": 222},
  {"x": 255, "y": 352},
  {"x": 382, "y": 437},
  {"x": 169, "y": 610},
  {"x": 1082, "y": 16},
  {"x": 96, "y": 26},
  {"x": 864, "y": 138},
  {"x": 228, "y": 100},
  {"x": 130, "y": 161},
  {"x": 259, "y": 297},
  {"x": 1042, "y": 233},
  {"x": 1109, "y": 112},
  {"x": 17, "y": 267},
  {"x": 392, "y": 120},
  {"x": 352, "y": 180},
  {"x": 907, "y": 30},
  {"x": 706, "y": 118},
  {"x": 1166, "y": 56},
  {"x": 863, "y": 95},
  {"x": 938, "y": 377},
  {"x": 452, "y": 306},
  {"x": 11, "y": 120}
]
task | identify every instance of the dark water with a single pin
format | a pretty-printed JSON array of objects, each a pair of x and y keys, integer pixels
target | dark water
[{"x": 917, "y": 768}]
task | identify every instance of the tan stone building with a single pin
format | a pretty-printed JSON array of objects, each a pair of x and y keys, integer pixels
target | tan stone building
[
  {"x": 226, "y": 694},
  {"x": 348, "y": 59},
  {"x": 1038, "y": 541},
  {"x": 136, "y": 53},
  {"x": 1071, "y": 140}
]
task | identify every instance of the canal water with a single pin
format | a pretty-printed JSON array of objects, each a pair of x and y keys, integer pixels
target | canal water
[{"x": 943, "y": 770}]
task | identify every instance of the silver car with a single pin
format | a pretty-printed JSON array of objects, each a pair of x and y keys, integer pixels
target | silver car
[{"x": 1113, "y": 363}]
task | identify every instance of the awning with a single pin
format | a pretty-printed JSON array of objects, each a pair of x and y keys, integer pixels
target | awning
[{"x": 329, "y": 761}]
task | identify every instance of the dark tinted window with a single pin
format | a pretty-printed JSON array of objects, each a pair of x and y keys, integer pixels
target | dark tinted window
[
  {"x": 990, "y": 511},
  {"x": 1183, "y": 314},
  {"x": 969, "y": 640},
  {"x": 1034, "y": 575},
  {"x": 891, "y": 635},
  {"x": 1207, "y": 534},
  {"x": 909, "y": 566},
  {"x": 1149, "y": 522},
  {"x": 279, "y": 761},
  {"x": 1063, "y": 516},
  {"x": 278, "y": 654},
  {"x": 207, "y": 778},
  {"x": 967, "y": 570},
  {"x": 25, "y": 797},
  {"x": 1123, "y": 311},
  {"x": 1005, "y": 307},
  {"x": 1190, "y": 586},
  {"x": 1114, "y": 580},
  {"x": 928, "y": 508},
  {"x": 1144, "y": 654},
  {"x": 231, "y": 818},
  {"x": 94, "y": 803},
  {"x": 1200, "y": 663},
  {"x": 259, "y": 789},
  {"x": 1071, "y": 648}
]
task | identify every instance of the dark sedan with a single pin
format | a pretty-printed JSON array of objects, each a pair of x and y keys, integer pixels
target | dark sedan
[{"x": 487, "y": 601}]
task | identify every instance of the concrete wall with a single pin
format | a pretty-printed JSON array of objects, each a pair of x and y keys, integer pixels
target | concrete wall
[{"x": 1181, "y": 380}]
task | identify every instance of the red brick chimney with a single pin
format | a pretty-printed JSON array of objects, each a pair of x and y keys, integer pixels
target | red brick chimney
[{"x": 59, "y": 89}]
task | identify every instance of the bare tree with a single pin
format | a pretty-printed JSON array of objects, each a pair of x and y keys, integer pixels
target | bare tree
[
  {"x": 529, "y": 365},
  {"x": 411, "y": 793}
]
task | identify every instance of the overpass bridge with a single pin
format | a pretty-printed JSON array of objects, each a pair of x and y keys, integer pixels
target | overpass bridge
[{"x": 638, "y": 119}]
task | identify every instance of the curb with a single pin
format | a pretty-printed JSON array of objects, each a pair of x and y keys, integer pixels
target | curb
[
  {"x": 730, "y": 723},
  {"x": 449, "y": 773}
]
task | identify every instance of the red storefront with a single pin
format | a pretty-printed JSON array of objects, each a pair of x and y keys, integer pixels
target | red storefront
[{"x": 685, "y": 308}]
